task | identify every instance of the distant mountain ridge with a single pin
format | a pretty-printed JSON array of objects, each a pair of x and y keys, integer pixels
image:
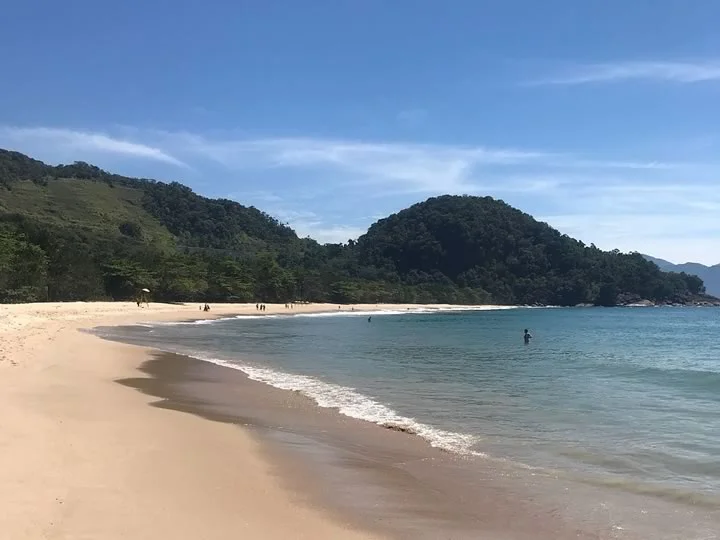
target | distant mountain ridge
[{"x": 709, "y": 274}]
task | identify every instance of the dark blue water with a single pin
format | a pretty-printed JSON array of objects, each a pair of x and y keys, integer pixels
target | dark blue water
[{"x": 625, "y": 397}]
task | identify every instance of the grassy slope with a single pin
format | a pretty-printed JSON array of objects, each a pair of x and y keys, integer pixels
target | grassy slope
[{"x": 93, "y": 206}]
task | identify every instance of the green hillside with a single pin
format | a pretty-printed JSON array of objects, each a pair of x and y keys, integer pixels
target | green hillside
[
  {"x": 92, "y": 234},
  {"x": 482, "y": 243},
  {"x": 92, "y": 206},
  {"x": 76, "y": 232},
  {"x": 86, "y": 197}
]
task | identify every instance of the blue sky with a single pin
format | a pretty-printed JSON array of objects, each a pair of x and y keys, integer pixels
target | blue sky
[{"x": 599, "y": 117}]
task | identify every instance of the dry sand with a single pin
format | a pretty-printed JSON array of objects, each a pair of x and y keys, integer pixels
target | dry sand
[{"x": 82, "y": 457}]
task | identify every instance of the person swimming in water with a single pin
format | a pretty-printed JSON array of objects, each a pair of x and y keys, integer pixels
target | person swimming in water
[{"x": 527, "y": 337}]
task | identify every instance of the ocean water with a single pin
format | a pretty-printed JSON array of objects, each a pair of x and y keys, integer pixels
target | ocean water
[{"x": 627, "y": 398}]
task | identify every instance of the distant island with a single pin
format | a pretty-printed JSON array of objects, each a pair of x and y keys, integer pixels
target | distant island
[{"x": 76, "y": 232}]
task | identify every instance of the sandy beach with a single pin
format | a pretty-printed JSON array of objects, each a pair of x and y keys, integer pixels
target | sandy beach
[
  {"x": 84, "y": 457},
  {"x": 102, "y": 439}
]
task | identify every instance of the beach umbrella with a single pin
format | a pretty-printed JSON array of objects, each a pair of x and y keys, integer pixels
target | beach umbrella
[{"x": 146, "y": 290}]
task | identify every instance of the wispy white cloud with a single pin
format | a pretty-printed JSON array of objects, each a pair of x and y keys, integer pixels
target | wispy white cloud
[
  {"x": 385, "y": 167},
  {"x": 78, "y": 144},
  {"x": 671, "y": 236},
  {"x": 677, "y": 72},
  {"x": 329, "y": 188},
  {"x": 412, "y": 168},
  {"x": 391, "y": 167},
  {"x": 674, "y": 219},
  {"x": 610, "y": 164}
]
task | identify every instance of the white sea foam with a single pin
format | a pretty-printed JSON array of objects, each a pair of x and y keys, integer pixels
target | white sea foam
[
  {"x": 408, "y": 311},
  {"x": 342, "y": 313},
  {"x": 352, "y": 403},
  {"x": 192, "y": 323},
  {"x": 366, "y": 313}
]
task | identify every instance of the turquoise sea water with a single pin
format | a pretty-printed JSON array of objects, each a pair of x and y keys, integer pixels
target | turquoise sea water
[{"x": 624, "y": 397}]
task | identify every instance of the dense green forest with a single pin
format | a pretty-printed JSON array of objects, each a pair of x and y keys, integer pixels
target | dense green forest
[{"x": 76, "y": 232}]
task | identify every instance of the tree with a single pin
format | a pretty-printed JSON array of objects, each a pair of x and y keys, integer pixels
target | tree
[
  {"x": 131, "y": 229},
  {"x": 23, "y": 270}
]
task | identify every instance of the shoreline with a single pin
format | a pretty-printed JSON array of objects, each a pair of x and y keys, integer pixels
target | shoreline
[
  {"x": 346, "y": 465},
  {"x": 321, "y": 474},
  {"x": 84, "y": 457},
  {"x": 598, "y": 507}
]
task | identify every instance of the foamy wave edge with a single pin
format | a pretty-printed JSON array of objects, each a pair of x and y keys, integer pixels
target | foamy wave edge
[
  {"x": 348, "y": 402},
  {"x": 340, "y": 313}
]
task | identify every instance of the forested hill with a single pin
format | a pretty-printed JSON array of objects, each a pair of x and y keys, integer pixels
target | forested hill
[
  {"x": 484, "y": 243},
  {"x": 76, "y": 232},
  {"x": 86, "y": 196}
]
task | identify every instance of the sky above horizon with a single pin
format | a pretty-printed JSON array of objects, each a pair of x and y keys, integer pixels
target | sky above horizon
[{"x": 598, "y": 117}]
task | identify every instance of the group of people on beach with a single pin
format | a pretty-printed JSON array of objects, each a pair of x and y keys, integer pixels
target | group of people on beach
[
  {"x": 262, "y": 307},
  {"x": 206, "y": 307}
]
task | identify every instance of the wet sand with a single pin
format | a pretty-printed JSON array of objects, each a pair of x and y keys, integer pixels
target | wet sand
[{"x": 382, "y": 480}]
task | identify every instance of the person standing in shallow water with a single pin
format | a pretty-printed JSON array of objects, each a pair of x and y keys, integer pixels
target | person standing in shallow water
[{"x": 527, "y": 337}]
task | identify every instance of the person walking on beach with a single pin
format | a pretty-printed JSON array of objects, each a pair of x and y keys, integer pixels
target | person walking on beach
[{"x": 527, "y": 337}]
